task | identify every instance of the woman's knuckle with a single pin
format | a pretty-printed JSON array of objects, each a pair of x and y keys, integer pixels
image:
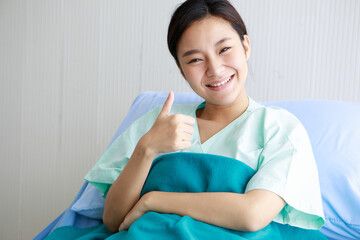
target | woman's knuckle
[
  {"x": 191, "y": 130},
  {"x": 178, "y": 130},
  {"x": 175, "y": 117}
]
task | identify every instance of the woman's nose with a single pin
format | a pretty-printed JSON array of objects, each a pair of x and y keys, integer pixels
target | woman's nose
[{"x": 214, "y": 67}]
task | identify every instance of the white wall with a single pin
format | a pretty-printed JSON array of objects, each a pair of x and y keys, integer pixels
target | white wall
[{"x": 69, "y": 71}]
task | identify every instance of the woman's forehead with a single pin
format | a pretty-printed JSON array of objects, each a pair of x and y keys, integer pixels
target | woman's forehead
[{"x": 209, "y": 31}]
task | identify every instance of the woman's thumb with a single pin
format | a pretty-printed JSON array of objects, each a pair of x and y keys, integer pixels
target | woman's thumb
[{"x": 168, "y": 104}]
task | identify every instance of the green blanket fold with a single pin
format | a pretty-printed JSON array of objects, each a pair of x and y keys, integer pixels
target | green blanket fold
[{"x": 194, "y": 172}]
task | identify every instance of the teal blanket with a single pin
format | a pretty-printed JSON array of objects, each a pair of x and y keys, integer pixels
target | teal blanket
[{"x": 190, "y": 172}]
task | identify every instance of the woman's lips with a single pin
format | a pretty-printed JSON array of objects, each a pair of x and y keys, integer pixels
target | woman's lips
[{"x": 220, "y": 85}]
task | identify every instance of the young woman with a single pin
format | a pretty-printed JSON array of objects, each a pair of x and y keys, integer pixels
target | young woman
[{"x": 209, "y": 42}]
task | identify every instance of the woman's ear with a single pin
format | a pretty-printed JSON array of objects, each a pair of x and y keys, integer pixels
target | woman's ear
[
  {"x": 181, "y": 71},
  {"x": 246, "y": 45}
]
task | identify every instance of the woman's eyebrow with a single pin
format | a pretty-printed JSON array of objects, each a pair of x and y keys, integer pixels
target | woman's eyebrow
[
  {"x": 222, "y": 40},
  {"x": 187, "y": 53},
  {"x": 190, "y": 52}
]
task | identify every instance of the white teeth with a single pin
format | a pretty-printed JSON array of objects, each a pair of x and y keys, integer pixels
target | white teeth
[{"x": 220, "y": 83}]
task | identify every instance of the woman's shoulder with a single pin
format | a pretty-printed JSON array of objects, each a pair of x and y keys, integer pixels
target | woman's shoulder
[
  {"x": 275, "y": 119},
  {"x": 274, "y": 113}
]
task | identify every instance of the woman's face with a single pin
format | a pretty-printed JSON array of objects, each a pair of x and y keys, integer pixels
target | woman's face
[{"x": 213, "y": 60}]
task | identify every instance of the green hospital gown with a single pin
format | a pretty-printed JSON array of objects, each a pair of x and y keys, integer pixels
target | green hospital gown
[{"x": 270, "y": 140}]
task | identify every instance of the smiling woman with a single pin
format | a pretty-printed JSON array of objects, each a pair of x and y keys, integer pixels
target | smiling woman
[
  {"x": 164, "y": 177},
  {"x": 213, "y": 59},
  {"x": 208, "y": 41}
]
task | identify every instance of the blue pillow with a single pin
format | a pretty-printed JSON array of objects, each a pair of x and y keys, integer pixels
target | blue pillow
[
  {"x": 334, "y": 132},
  {"x": 90, "y": 204}
]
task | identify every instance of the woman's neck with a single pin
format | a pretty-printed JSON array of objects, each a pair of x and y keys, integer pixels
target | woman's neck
[{"x": 224, "y": 113}]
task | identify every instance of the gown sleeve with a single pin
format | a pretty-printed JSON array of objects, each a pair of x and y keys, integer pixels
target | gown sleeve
[{"x": 287, "y": 167}]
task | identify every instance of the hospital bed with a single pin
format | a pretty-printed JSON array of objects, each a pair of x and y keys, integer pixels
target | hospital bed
[{"x": 334, "y": 131}]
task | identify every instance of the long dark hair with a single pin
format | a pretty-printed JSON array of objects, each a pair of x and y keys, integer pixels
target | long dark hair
[{"x": 195, "y": 10}]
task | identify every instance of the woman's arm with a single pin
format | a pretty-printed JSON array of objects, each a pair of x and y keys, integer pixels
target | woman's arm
[
  {"x": 125, "y": 191},
  {"x": 251, "y": 211},
  {"x": 168, "y": 134}
]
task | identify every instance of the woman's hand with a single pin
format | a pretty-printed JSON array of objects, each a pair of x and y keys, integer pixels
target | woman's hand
[
  {"x": 169, "y": 133},
  {"x": 135, "y": 213}
]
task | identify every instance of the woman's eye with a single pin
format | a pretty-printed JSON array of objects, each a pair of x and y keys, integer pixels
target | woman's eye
[
  {"x": 224, "y": 49},
  {"x": 195, "y": 60}
]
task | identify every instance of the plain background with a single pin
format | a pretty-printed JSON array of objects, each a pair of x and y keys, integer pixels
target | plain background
[{"x": 69, "y": 71}]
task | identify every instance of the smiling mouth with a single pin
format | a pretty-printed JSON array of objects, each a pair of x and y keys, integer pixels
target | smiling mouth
[{"x": 221, "y": 83}]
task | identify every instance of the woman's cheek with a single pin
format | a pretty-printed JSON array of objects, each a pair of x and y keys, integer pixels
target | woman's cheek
[
  {"x": 234, "y": 59},
  {"x": 193, "y": 75}
]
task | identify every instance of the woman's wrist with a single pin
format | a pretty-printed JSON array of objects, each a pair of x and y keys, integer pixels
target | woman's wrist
[{"x": 144, "y": 148}]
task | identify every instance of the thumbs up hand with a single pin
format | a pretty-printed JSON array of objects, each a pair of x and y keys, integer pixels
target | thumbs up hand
[{"x": 170, "y": 132}]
